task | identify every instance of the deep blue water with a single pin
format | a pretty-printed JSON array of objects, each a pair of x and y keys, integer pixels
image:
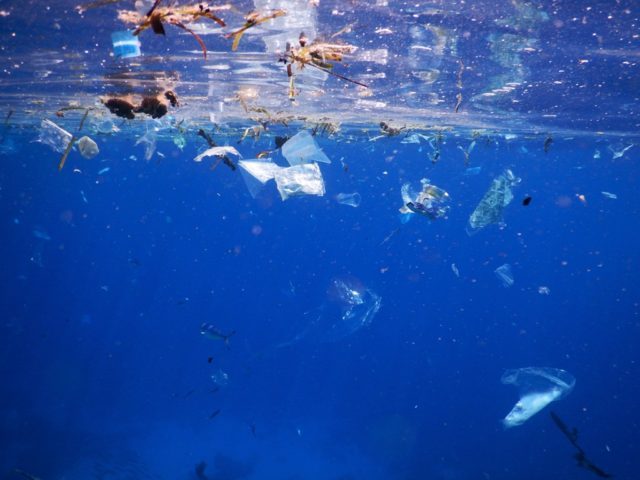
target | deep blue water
[{"x": 105, "y": 373}]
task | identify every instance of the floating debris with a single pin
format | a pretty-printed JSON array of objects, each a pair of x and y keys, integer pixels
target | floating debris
[
  {"x": 610, "y": 195},
  {"x": 302, "y": 148},
  {"x": 179, "y": 16},
  {"x": 547, "y": 143},
  {"x": 351, "y": 199},
  {"x": 217, "y": 152},
  {"x": 253, "y": 19},
  {"x": 505, "y": 275},
  {"x": 538, "y": 387},
  {"x": 455, "y": 270},
  {"x": 149, "y": 141},
  {"x": 104, "y": 170},
  {"x": 472, "y": 171},
  {"x": 87, "y": 147},
  {"x": 41, "y": 234},
  {"x": 430, "y": 202},
  {"x": 542, "y": 290},
  {"x": 526, "y": 201},
  {"x": 317, "y": 55},
  {"x": 125, "y": 44},
  {"x": 619, "y": 150},
  {"x": 491, "y": 207},
  {"x": 572, "y": 436},
  {"x": 305, "y": 179},
  {"x": 56, "y": 137},
  {"x": 212, "y": 332}
]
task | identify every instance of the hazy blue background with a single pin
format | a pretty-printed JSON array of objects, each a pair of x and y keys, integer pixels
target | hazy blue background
[{"x": 104, "y": 373}]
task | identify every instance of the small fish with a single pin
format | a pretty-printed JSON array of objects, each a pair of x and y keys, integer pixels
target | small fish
[
  {"x": 213, "y": 333},
  {"x": 547, "y": 143},
  {"x": 214, "y": 414},
  {"x": 610, "y": 195},
  {"x": 104, "y": 170}
]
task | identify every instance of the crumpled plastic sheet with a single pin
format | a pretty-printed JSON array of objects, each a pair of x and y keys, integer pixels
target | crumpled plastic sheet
[
  {"x": 302, "y": 149},
  {"x": 303, "y": 179},
  {"x": 87, "y": 147},
  {"x": 54, "y": 136},
  {"x": 491, "y": 207}
]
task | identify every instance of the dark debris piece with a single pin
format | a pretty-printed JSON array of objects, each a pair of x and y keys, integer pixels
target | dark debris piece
[
  {"x": 152, "y": 106},
  {"x": 526, "y": 201},
  {"x": 120, "y": 108}
]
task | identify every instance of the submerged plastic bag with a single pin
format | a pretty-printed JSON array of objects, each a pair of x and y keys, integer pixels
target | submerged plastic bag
[
  {"x": 490, "y": 208},
  {"x": 349, "y": 306},
  {"x": 54, "y": 136},
  {"x": 87, "y": 147},
  {"x": 256, "y": 173},
  {"x": 430, "y": 202},
  {"x": 299, "y": 180},
  {"x": 302, "y": 148},
  {"x": 538, "y": 387}
]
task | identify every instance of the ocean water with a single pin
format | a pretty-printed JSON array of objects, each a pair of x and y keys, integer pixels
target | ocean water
[{"x": 353, "y": 343}]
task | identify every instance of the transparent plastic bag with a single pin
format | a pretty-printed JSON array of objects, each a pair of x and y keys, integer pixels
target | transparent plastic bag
[
  {"x": 303, "y": 179},
  {"x": 303, "y": 149},
  {"x": 491, "y": 207},
  {"x": 538, "y": 387}
]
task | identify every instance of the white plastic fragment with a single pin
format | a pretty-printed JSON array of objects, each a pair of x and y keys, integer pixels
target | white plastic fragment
[
  {"x": 87, "y": 147},
  {"x": 538, "y": 387},
  {"x": 217, "y": 152},
  {"x": 303, "y": 179},
  {"x": 54, "y": 136},
  {"x": 303, "y": 149},
  {"x": 610, "y": 195}
]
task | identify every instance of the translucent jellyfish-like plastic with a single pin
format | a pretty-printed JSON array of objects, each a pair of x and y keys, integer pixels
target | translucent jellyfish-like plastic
[
  {"x": 505, "y": 275},
  {"x": 492, "y": 205},
  {"x": 538, "y": 387}
]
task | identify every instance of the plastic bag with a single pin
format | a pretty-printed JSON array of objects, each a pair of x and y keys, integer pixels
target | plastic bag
[
  {"x": 54, "y": 136},
  {"x": 490, "y": 208},
  {"x": 87, "y": 147},
  {"x": 538, "y": 387},
  {"x": 256, "y": 173},
  {"x": 303, "y": 179},
  {"x": 302, "y": 149}
]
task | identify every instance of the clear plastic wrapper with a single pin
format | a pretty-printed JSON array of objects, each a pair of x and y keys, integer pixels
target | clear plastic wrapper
[
  {"x": 303, "y": 179},
  {"x": 538, "y": 387},
  {"x": 256, "y": 173},
  {"x": 54, "y": 136},
  {"x": 351, "y": 199},
  {"x": 491, "y": 207},
  {"x": 505, "y": 275},
  {"x": 303, "y": 149}
]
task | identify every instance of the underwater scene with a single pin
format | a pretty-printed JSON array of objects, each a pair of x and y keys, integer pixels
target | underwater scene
[{"x": 319, "y": 239}]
